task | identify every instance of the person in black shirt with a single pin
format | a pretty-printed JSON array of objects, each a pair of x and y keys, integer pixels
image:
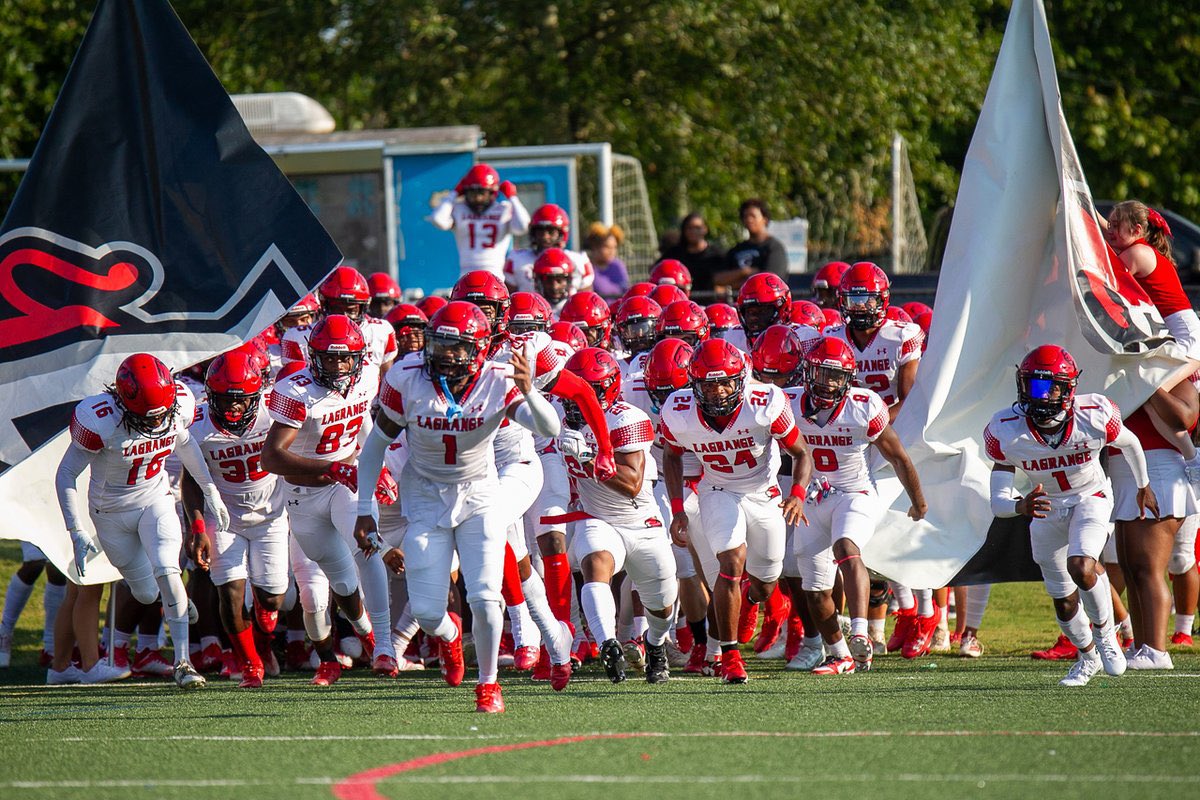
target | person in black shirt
[
  {"x": 761, "y": 252},
  {"x": 703, "y": 258}
]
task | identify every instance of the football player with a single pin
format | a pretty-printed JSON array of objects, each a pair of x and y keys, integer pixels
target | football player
[
  {"x": 549, "y": 229},
  {"x": 673, "y": 272},
  {"x": 483, "y": 224},
  {"x": 634, "y": 324},
  {"x": 408, "y": 323},
  {"x": 825, "y": 284},
  {"x": 385, "y": 294},
  {"x": 590, "y": 312},
  {"x": 125, "y": 435},
  {"x": 1056, "y": 437}
]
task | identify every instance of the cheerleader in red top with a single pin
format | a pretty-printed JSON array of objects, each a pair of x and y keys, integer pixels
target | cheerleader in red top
[{"x": 1142, "y": 238}]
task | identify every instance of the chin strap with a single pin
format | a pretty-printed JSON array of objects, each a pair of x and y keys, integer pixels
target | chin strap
[{"x": 453, "y": 409}]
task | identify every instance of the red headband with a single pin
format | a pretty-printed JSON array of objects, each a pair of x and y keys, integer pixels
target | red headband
[{"x": 1156, "y": 219}]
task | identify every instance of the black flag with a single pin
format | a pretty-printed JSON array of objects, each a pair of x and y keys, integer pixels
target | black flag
[{"x": 148, "y": 221}]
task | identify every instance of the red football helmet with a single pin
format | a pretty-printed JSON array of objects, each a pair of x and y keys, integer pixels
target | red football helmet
[
  {"x": 808, "y": 313},
  {"x": 673, "y": 273},
  {"x": 233, "y": 386},
  {"x": 825, "y": 283},
  {"x": 776, "y": 356},
  {"x": 257, "y": 350},
  {"x": 409, "y": 323},
  {"x": 721, "y": 317},
  {"x": 431, "y": 304},
  {"x": 303, "y": 313},
  {"x": 600, "y": 370},
  {"x": 718, "y": 375},
  {"x": 829, "y": 371},
  {"x": 479, "y": 187},
  {"x": 924, "y": 321},
  {"x": 145, "y": 391},
  {"x": 640, "y": 289},
  {"x": 549, "y": 226},
  {"x": 863, "y": 296},
  {"x": 569, "y": 334},
  {"x": 897, "y": 313},
  {"x": 456, "y": 341},
  {"x": 832, "y": 317},
  {"x": 764, "y": 300},
  {"x": 666, "y": 370},
  {"x": 345, "y": 291},
  {"x": 684, "y": 320},
  {"x": 664, "y": 294},
  {"x": 383, "y": 286},
  {"x": 552, "y": 271},
  {"x": 589, "y": 311},
  {"x": 1046, "y": 381},
  {"x": 336, "y": 349},
  {"x": 488, "y": 292},
  {"x": 635, "y": 323},
  {"x": 916, "y": 309},
  {"x": 527, "y": 312}
]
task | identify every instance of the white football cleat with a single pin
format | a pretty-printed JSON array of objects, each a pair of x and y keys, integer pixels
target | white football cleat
[
  {"x": 186, "y": 676},
  {"x": 1110, "y": 651},
  {"x": 807, "y": 659},
  {"x": 861, "y": 652},
  {"x": 941, "y": 641},
  {"x": 1149, "y": 658},
  {"x": 970, "y": 647},
  {"x": 777, "y": 650},
  {"x": 1081, "y": 671},
  {"x": 71, "y": 674},
  {"x": 101, "y": 672}
]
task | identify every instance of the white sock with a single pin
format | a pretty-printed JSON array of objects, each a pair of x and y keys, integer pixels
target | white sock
[
  {"x": 640, "y": 626},
  {"x": 523, "y": 629},
  {"x": 657, "y": 629},
  {"x": 51, "y": 601},
  {"x": 446, "y": 630},
  {"x": 839, "y": 649},
  {"x": 1077, "y": 628},
  {"x": 553, "y": 635},
  {"x": 383, "y": 643},
  {"x": 121, "y": 639},
  {"x": 1183, "y": 623},
  {"x": 903, "y": 595},
  {"x": 600, "y": 610},
  {"x": 977, "y": 602},
  {"x": 175, "y": 612},
  {"x": 874, "y": 629},
  {"x": 404, "y": 630},
  {"x": 924, "y": 602},
  {"x": 178, "y": 626},
  {"x": 362, "y": 625},
  {"x": 1097, "y": 602},
  {"x": 14, "y": 602},
  {"x": 713, "y": 649},
  {"x": 858, "y": 626},
  {"x": 488, "y": 624}
]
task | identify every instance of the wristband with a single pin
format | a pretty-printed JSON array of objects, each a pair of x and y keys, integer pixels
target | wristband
[
  {"x": 198, "y": 527},
  {"x": 797, "y": 491},
  {"x": 676, "y": 505}
]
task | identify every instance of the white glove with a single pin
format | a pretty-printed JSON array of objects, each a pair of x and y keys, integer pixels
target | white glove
[
  {"x": 212, "y": 499},
  {"x": 83, "y": 544},
  {"x": 574, "y": 444}
]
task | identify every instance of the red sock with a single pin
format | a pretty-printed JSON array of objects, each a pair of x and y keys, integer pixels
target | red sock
[
  {"x": 777, "y": 604},
  {"x": 558, "y": 585},
  {"x": 242, "y": 643},
  {"x": 511, "y": 588}
]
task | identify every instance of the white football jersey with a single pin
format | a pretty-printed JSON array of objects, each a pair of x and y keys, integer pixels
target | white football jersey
[
  {"x": 330, "y": 425},
  {"x": 630, "y": 431},
  {"x": 483, "y": 239},
  {"x": 515, "y": 442},
  {"x": 251, "y": 493},
  {"x": 741, "y": 457},
  {"x": 450, "y": 451},
  {"x": 128, "y": 470},
  {"x": 893, "y": 345},
  {"x": 379, "y": 336},
  {"x": 518, "y": 271},
  {"x": 839, "y": 447},
  {"x": 631, "y": 370},
  {"x": 636, "y": 395},
  {"x": 1072, "y": 469}
]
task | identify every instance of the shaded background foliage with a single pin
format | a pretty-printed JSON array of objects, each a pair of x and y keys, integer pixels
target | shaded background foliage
[{"x": 719, "y": 100}]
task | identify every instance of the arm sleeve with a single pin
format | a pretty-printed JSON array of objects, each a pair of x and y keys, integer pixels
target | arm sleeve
[
  {"x": 520, "y": 217},
  {"x": 1004, "y": 495},
  {"x": 74, "y": 461},
  {"x": 192, "y": 458},
  {"x": 443, "y": 216},
  {"x": 538, "y": 415},
  {"x": 1131, "y": 448},
  {"x": 370, "y": 464},
  {"x": 570, "y": 386}
]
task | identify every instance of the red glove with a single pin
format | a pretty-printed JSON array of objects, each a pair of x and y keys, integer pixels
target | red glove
[
  {"x": 386, "y": 490},
  {"x": 604, "y": 466},
  {"x": 508, "y": 189},
  {"x": 345, "y": 474}
]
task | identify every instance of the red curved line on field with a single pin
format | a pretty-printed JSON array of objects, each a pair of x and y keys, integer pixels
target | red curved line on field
[{"x": 361, "y": 786}]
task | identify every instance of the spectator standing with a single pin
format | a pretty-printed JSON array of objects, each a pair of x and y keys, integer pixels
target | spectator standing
[
  {"x": 761, "y": 252},
  {"x": 612, "y": 278},
  {"x": 703, "y": 258}
]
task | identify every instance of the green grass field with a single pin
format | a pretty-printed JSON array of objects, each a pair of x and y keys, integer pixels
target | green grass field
[{"x": 937, "y": 727}]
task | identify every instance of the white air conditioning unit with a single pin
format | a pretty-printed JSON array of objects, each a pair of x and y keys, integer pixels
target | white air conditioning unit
[{"x": 283, "y": 112}]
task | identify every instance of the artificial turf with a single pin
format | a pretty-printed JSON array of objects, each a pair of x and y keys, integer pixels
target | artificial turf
[{"x": 936, "y": 727}]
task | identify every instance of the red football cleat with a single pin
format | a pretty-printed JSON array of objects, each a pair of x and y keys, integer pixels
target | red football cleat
[
  {"x": 488, "y": 699},
  {"x": 368, "y": 644},
  {"x": 385, "y": 666},
  {"x": 296, "y": 657},
  {"x": 835, "y": 666},
  {"x": 151, "y": 662},
  {"x": 266, "y": 619},
  {"x": 209, "y": 659},
  {"x": 1182, "y": 638},
  {"x": 795, "y": 634},
  {"x": 733, "y": 669},
  {"x": 450, "y": 654},
  {"x": 46, "y": 659},
  {"x": 541, "y": 670},
  {"x": 769, "y": 632},
  {"x": 328, "y": 673},
  {"x": 525, "y": 658},
  {"x": 684, "y": 639},
  {"x": 921, "y": 636},
  {"x": 695, "y": 664},
  {"x": 560, "y": 676},
  {"x": 748, "y": 616},
  {"x": 906, "y": 620},
  {"x": 121, "y": 656},
  {"x": 1061, "y": 650},
  {"x": 252, "y": 676}
]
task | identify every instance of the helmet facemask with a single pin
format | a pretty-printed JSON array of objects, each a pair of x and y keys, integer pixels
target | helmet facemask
[
  {"x": 156, "y": 422},
  {"x": 1044, "y": 397},
  {"x": 863, "y": 310},
  {"x": 718, "y": 397},
  {"x": 234, "y": 413},
  {"x": 826, "y": 384},
  {"x": 354, "y": 309},
  {"x": 637, "y": 335},
  {"x": 554, "y": 288},
  {"x": 450, "y": 357},
  {"x": 757, "y": 317},
  {"x": 479, "y": 198},
  {"x": 543, "y": 237}
]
